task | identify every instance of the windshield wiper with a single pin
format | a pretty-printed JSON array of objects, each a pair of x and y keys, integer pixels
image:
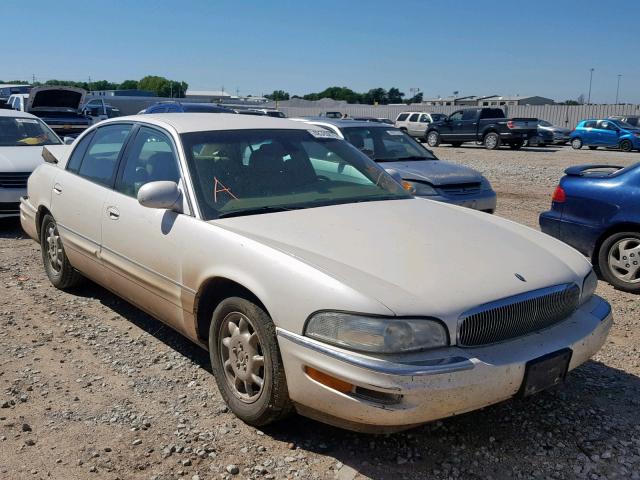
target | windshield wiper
[
  {"x": 256, "y": 211},
  {"x": 404, "y": 159}
]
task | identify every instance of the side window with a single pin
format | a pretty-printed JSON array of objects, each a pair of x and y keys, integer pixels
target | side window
[
  {"x": 414, "y": 117},
  {"x": 76, "y": 156},
  {"x": 402, "y": 117},
  {"x": 469, "y": 114},
  {"x": 456, "y": 116},
  {"x": 150, "y": 159},
  {"x": 425, "y": 118},
  {"x": 590, "y": 124},
  {"x": 100, "y": 161}
]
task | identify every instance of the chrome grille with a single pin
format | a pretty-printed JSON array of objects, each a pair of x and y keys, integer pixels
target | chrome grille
[
  {"x": 519, "y": 315},
  {"x": 460, "y": 188},
  {"x": 14, "y": 179}
]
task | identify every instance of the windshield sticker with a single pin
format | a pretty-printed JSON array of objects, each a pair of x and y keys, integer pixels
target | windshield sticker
[
  {"x": 323, "y": 134},
  {"x": 219, "y": 187},
  {"x": 26, "y": 120},
  {"x": 394, "y": 132}
]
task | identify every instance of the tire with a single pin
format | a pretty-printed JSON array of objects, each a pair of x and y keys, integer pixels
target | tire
[
  {"x": 517, "y": 145},
  {"x": 61, "y": 273},
  {"x": 456, "y": 144},
  {"x": 592, "y": 147},
  {"x": 576, "y": 143},
  {"x": 433, "y": 138},
  {"x": 492, "y": 141},
  {"x": 236, "y": 375},
  {"x": 616, "y": 257},
  {"x": 626, "y": 146}
]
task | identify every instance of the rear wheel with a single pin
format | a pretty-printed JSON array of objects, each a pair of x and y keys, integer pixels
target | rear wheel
[
  {"x": 619, "y": 261},
  {"x": 576, "y": 143},
  {"x": 492, "y": 141},
  {"x": 626, "y": 145},
  {"x": 433, "y": 138},
  {"x": 56, "y": 264},
  {"x": 592, "y": 147},
  {"x": 246, "y": 362}
]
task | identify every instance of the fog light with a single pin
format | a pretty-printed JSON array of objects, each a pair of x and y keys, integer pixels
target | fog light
[{"x": 329, "y": 381}]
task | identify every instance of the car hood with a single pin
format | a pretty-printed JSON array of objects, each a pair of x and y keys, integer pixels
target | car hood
[
  {"x": 435, "y": 172},
  {"x": 65, "y": 99},
  {"x": 416, "y": 256},
  {"x": 20, "y": 159}
]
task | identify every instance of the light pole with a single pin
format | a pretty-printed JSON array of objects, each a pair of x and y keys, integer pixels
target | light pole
[
  {"x": 590, "y": 80},
  {"x": 618, "y": 88}
]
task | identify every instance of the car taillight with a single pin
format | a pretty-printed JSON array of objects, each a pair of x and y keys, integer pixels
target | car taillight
[
  {"x": 510, "y": 124},
  {"x": 559, "y": 196}
]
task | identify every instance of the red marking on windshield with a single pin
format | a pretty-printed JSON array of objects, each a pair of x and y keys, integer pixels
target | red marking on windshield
[{"x": 216, "y": 189}]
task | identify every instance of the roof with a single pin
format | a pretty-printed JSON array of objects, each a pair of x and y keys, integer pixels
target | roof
[
  {"x": 201, "y": 122},
  {"x": 15, "y": 114}
]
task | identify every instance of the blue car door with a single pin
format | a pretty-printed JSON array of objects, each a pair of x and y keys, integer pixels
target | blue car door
[
  {"x": 589, "y": 133},
  {"x": 607, "y": 133}
]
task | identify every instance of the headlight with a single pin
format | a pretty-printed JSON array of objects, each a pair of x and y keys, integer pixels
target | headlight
[
  {"x": 376, "y": 334},
  {"x": 636, "y": 135},
  {"x": 421, "y": 189},
  {"x": 485, "y": 184},
  {"x": 589, "y": 286}
]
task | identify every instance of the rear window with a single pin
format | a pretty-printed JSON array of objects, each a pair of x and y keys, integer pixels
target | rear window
[
  {"x": 469, "y": 114},
  {"x": 589, "y": 124},
  {"x": 492, "y": 113},
  {"x": 402, "y": 117}
]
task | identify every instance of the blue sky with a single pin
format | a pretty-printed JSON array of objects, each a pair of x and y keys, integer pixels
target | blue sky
[{"x": 509, "y": 47}]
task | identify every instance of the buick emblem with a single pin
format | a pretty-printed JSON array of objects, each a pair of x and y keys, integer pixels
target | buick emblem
[{"x": 520, "y": 277}]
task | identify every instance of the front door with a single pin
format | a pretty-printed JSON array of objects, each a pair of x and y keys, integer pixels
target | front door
[
  {"x": 607, "y": 134},
  {"x": 449, "y": 129},
  {"x": 79, "y": 193},
  {"x": 140, "y": 246}
]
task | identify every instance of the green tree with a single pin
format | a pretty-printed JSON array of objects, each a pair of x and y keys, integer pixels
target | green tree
[
  {"x": 395, "y": 95},
  {"x": 163, "y": 87},
  {"x": 376, "y": 95},
  {"x": 417, "y": 98},
  {"x": 278, "y": 95},
  {"x": 128, "y": 85},
  {"x": 336, "y": 93}
]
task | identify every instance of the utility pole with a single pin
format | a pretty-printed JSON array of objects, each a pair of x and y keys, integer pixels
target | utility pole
[
  {"x": 33, "y": 78},
  {"x": 590, "y": 81},
  {"x": 618, "y": 88}
]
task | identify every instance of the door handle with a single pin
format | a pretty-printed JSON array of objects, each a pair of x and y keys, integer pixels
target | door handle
[
  {"x": 113, "y": 213},
  {"x": 57, "y": 189}
]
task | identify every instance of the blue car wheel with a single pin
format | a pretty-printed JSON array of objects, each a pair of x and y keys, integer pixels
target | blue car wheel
[{"x": 576, "y": 143}]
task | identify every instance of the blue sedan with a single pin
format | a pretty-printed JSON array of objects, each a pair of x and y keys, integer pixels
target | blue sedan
[
  {"x": 595, "y": 210},
  {"x": 609, "y": 133}
]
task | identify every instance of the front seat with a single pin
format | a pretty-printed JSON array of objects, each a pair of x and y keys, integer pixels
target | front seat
[
  {"x": 162, "y": 166},
  {"x": 267, "y": 166}
]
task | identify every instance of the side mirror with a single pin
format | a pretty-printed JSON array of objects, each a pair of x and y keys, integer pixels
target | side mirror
[
  {"x": 68, "y": 140},
  {"x": 163, "y": 195}
]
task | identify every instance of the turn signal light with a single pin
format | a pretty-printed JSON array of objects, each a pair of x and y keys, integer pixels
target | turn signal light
[
  {"x": 408, "y": 187},
  {"x": 329, "y": 381},
  {"x": 559, "y": 196},
  {"x": 510, "y": 124}
]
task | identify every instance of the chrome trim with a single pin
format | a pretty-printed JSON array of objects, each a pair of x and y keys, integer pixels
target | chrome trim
[
  {"x": 492, "y": 326},
  {"x": 417, "y": 368}
]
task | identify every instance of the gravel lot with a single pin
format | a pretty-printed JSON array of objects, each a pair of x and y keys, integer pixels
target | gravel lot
[{"x": 91, "y": 387}]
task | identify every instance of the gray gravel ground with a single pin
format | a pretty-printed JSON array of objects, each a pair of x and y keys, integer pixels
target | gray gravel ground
[{"x": 90, "y": 387}]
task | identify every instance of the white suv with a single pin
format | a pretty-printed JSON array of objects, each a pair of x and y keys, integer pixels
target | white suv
[{"x": 415, "y": 123}]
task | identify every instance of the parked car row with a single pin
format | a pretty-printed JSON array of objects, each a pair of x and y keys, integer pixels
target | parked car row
[
  {"x": 317, "y": 282},
  {"x": 176, "y": 106}
]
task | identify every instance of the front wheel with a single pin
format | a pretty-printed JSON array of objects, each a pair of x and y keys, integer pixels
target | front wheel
[
  {"x": 61, "y": 273},
  {"x": 492, "y": 141},
  {"x": 626, "y": 145},
  {"x": 576, "y": 143},
  {"x": 246, "y": 362},
  {"x": 619, "y": 261},
  {"x": 433, "y": 138}
]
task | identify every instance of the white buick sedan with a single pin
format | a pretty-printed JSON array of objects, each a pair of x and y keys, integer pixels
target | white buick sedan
[{"x": 314, "y": 280}]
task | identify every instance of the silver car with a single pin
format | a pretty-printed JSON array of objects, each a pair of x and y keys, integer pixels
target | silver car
[
  {"x": 315, "y": 281},
  {"x": 416, "y": 167}
]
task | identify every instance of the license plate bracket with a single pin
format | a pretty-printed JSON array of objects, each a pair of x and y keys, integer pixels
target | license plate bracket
[{"x": 545, "y": 372}]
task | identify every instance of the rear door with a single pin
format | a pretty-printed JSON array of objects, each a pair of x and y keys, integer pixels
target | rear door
[
  {"x": 413, "y": 124},
  {"x": 79, "y": 193},
  {"x": 589, "y": 133},
  {"x": 468, "y": 125},
  {"x": 141, "y": 246}
]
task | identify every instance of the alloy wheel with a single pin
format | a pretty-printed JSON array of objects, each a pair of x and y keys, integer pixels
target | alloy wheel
[
  {"x": 242, "y": 357},
  {"x": 54, "y": 248},
  {"x": 624, "y": 260}
]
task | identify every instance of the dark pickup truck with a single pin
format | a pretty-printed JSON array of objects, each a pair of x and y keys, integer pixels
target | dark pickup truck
[
  {"x": 482, "y": 125},
  {"x": 59, "y": 107}
]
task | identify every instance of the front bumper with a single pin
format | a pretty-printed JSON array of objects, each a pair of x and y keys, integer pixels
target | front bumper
[
  {"x": 10, "y": 201},
  {"x": 485, "y": 200},
  {"x": 433, "y": 384}
]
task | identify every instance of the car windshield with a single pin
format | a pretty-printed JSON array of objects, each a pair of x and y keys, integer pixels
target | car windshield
[
  {"x": 25, "y": 132},
  {"x": 386, "y": 144},
  {"x": 244, "y": 172},
  {"x": 544, "y": 123},
  {"x": 624, "y": 125}
]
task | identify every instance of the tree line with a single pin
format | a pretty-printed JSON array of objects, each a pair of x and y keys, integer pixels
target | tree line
[
  {"x": 162, "y": 87},
  {"x": 374, "y": 96}
]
